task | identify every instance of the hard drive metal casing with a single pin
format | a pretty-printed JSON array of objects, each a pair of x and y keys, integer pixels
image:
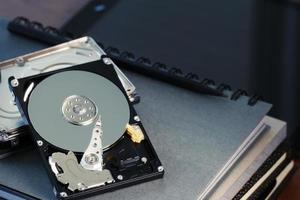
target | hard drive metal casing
[
  {"x": 12, "y": 127},
  {"x": 128, "y": 161}
]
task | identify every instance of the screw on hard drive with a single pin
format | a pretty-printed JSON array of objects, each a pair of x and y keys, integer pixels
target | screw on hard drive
[
  {"x": 81, "y": 186},
  {"x": 14, "y": 83},
  {"x": 107, "y": 61},
  {"x": 40, "y": 143},
  {"x": 160, "y": 169},
  {"x": 63, "y": 194},
  {"x": 137, "y": 118},
  {"x": 144, "y": 160},
  {"x": 120, "y": 177},
  {"x": 20, "y": 61}
]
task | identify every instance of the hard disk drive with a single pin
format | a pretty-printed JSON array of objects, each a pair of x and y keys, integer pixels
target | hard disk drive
[
  {"x": 13, "y": 128},
  {"x": 86, "y": 129}
]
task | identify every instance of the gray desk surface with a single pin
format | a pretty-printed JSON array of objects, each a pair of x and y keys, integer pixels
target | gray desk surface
[{"x": 193, "y": 134}]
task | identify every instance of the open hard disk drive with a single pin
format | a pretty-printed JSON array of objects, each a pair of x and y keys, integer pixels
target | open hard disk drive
[
  {"x": 13, "y": 128},
  {"x": 86, "y": 129}
]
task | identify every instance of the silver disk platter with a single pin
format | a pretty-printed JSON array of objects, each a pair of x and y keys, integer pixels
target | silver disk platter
[{"x": 72, "y": 105}]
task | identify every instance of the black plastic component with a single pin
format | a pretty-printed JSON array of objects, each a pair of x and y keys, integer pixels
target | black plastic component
[
  {"x": 160, "y": 66},
  {"x": 112, "y": 51},
  {"x": 16, "y": 144},
  {"x": 126, "y": 60},
  {"x": 37, "y": 31},
  {"x": 254, "y": 99},
  {"x": 207, "y": 82},
  {"x": 237, "y": 94},
  {"x": 175, "y": 72},
  {"x": 127, "y": 56},
  {"x": 192, "y": 76},
  {"x": 222, "y": 87},
  {"x": 144, "y": 61},
  {"x": 122, "y": 158}
]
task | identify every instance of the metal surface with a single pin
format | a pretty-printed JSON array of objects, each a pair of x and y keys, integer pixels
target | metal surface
[
  {"x": 75, "y": 175},
  {"x": 44, "y": 109},
  {"x": 144, "y": 160},
  {"x": 79, "y": 110},
  {"x": 128, "y": 86},
  {"x": 160, "y": 168},
  {"x": 92, "y": 158}
]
